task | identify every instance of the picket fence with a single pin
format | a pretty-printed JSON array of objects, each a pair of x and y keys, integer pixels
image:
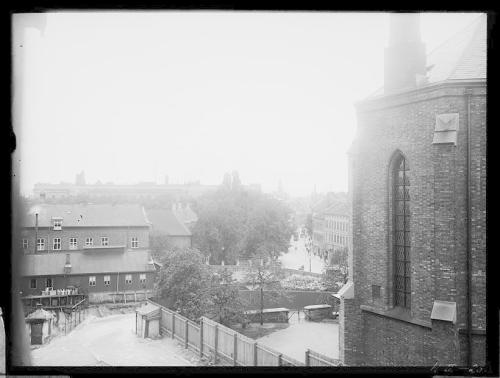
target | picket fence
[{"x": 223, "y": 344}]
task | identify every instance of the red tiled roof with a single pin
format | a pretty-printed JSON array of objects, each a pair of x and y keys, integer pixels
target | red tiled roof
[
  {"x": 86, "y": 263},
  {"x": 165, "y": 221},
  {"x": 87, "y": 215}
]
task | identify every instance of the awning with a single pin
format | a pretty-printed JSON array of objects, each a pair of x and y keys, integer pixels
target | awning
[{"x": 346, "y": 291}]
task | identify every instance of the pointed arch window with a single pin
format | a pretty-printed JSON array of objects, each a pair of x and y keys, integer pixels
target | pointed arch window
[{"x": 401, "y": 238}]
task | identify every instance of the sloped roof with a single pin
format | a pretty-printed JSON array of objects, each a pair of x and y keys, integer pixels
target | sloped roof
[
  {"x": 165, "y": 221},
  {"x": 86, "y": 263},
  {"x": 40, "y": 314},
  {"x": 461, "y": 57},
  {"x": 87, "y": 215},
  {"x": 185, "y": 214}
]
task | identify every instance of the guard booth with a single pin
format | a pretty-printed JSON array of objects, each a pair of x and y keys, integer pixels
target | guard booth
[
  {"x": 147, "y": 321},
  {"x": 39, "y": 325}
]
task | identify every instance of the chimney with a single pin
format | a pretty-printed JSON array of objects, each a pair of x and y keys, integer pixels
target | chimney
[
  {"x": 405, "y": 61},
  {"x": 67, "y": 266}
]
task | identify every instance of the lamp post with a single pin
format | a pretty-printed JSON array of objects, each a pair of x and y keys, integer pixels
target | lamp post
[{"x": 36, "y": 232}]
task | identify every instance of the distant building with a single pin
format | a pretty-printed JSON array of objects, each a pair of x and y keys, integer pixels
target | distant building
[
  {"x": 337, "y": 227},
  {"x": 185, "y": 214},
  {"x": 331, "y": 224},
  {"x": 141, "y": 191},
  {"x": 417, "y": 292},
  {"x": 166, "y": 222},
  {"x": 136, "y": 192}
]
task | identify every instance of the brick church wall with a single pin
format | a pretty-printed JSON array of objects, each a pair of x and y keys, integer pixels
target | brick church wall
[{"x": 438, "y": 229}]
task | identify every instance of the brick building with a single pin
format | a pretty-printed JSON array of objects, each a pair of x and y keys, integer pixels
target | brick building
[
  {"x": 59, "y": 228},
  {"x": 100, "y": 249},
  {"x": 96, "y": 273},
  {"x": 416, "y": 294},
  {"x": 166, "y": 222}
]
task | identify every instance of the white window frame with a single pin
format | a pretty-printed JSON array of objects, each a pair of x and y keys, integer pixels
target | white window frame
[
  {"x": 107, "y": 280},
  {"x": 57, "y": 224},
  {"x": 142, "y": 278},
  {"x": 54, "y": 244},
  {"x": 134, "y": 242},
  {"x": 104, "y": 241},
  {"x": 128, "y": 279},
  {"x": 26, "y": 244},
  {"x": 73, "y": 243},
  {"x": 31, "y": 282},
  {"x": 92, "y": 281},
  {"x": 40, "y": 244},
  {"x": 89, "y": 242}
]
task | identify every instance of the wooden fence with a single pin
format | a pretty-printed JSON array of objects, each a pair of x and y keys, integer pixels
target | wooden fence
[
  {"x": 317, "y": 359},
  {"x": 74, "y": 315},
  {"x": 225, "y": 345}
]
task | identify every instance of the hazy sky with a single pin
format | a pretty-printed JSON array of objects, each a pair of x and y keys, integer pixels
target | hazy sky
[{"x": 132, "y": 97}]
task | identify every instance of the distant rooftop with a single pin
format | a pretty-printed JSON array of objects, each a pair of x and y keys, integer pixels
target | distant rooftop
[
  {"x": 165, "y": 221},
  {"x": 86, "y": 215}
]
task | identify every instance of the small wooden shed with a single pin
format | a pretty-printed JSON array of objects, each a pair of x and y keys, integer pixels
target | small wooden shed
[
  {"x": 39, "y": 325},
  {"x": 147, "y": 321},
  {"x": 318, "y": 312}
]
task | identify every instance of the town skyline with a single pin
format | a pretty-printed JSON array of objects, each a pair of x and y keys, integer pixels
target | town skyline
[{"x": 131, "y": 97}]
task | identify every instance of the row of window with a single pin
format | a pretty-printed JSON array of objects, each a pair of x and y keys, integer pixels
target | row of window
[
  {"x": 337, "y": 225},
  {"x": 73, "y": 243},
  {"x": 92, "y": 280},
  {"x": 335, "y": 238}
]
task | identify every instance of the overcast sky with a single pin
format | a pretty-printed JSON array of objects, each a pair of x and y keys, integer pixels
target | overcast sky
[{"x": 132, "y": 97}]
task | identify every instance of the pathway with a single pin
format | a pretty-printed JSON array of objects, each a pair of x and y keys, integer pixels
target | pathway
[{"x": 110, "y": 341}]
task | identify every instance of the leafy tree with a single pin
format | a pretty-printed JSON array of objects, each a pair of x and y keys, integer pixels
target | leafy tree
[
  {"x": 233, "y": 224},
  {"x": 337, "y": 269},
  {"x": 266, "y": 279},
  {"x": 182, "y": 282},
  {"x": 160, "y": 244},
  {"x": 224, "y": 300}
]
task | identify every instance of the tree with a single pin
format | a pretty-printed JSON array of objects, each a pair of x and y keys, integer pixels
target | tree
[
  {"x": 337, "y": 269},
  {"x": 264, "y": 277},
  {"x": 236, "y": 182},
  {"x": 233, "y": 224},
  {"x": 224, "y": 299},
  {"x": 183, "y": 281},
  {"x": 226, "y": 181},
  {"x": 159, "y": 244},
  {"x": 309, "y": 224}
]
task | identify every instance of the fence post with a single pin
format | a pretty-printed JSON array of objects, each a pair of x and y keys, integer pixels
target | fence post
[
  {"x": 201, "y": 337},
  {"x": 255, "y": 354},
  {"x": 280, "y": 360},
  {"x": 235, "y": 349},
  {"x": 173, "y": 325},
  {"x": 308, "y": 358},
  {"x": 186, "y": 334},
  {"x": 216, "y": 341}
]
